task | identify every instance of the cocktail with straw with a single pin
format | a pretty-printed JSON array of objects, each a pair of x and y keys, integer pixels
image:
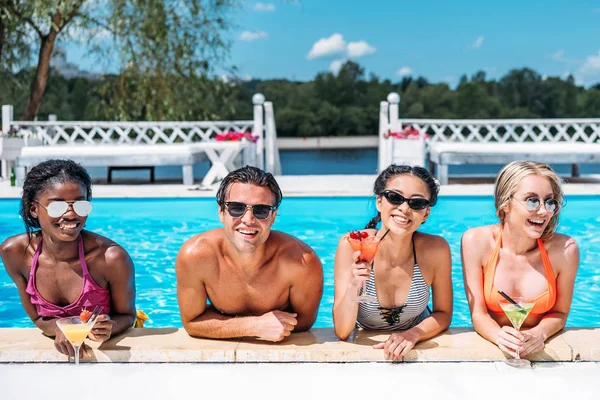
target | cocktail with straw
[
  {"x": 367, "y": 244},
  {"x": 516, "y": 309},
  {"x": 76, "y": 329}
]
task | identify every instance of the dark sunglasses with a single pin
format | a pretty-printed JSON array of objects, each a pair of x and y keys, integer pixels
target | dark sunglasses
[
  {"x": 416, "y": 203},
  {"x": 534, "y": 203},
  {"x": 260, "y": 211},
  {"x": 56, "y": 209}
]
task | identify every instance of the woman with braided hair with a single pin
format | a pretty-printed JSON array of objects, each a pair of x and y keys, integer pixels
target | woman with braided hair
[{"x": 407, "y": 267}]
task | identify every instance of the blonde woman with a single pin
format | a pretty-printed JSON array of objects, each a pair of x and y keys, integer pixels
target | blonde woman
[{"x": 522, "y": 256}]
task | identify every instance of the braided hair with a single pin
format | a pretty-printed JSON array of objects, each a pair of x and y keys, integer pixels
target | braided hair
[{"x": 43, "y": 176}]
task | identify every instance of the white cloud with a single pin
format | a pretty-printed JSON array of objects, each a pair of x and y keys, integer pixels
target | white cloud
[
  {"x": 246, "y": 78},
  {"x": 449, "y": 79},
  {"x": 477, "y": 44},
  {"x": 336, "y": 65},
  {"x": 264, "y": 7},
  {"x": 335, "y": 44},
  {"x": 249, "y": 36},
  {"x": 404, "y": 71},
  {"x": 591, "y": 66},
  {"x": 558, "y": 56},
  {"x": 360, "y": 49}
]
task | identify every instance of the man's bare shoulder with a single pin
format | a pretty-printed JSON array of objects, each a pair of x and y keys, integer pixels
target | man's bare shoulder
[
  {"x": 294, "y": 252},
  {"x": 200, "y": 250}
]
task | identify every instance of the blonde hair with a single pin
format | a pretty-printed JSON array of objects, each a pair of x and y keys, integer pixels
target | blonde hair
[{"x": 509, "y": 178}]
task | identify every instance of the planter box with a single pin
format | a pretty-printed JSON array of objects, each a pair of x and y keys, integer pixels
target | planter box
[{"x": 408, "y": 151}]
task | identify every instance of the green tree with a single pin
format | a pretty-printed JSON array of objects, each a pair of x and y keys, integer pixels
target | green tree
[{"x": 155, "y": 40}]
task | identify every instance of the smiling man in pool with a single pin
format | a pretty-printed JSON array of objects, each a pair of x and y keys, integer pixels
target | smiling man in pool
[{"x": 260, "y": 283}]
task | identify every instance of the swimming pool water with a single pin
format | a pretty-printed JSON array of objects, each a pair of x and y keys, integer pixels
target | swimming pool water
[{"x": 153, "y": 230}]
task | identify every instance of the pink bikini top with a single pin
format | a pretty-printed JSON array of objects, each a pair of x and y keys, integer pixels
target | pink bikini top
[{"x": 91, "y": 294}]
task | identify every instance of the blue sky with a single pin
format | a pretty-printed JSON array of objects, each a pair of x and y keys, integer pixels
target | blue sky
[{"x": 440, "y": 40}]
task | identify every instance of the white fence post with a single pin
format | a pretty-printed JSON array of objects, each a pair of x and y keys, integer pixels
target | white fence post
[
  {"x": 7, "y": 118},
  {"x": 273, "y": 164},
  {"x": 258, "y": 130},
  {"x": 385, "y": 145},
  {"x": 388, "y": 121},
  {"x": 407, "y": 150},
  {"x": 52, "y": 118}
]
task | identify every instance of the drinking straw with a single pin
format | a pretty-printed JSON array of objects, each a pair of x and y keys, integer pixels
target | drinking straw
[
  {"x": 388, "y": 231},
  {"x": 507, "y": 297},
  {"x": 94, "y": 316}
]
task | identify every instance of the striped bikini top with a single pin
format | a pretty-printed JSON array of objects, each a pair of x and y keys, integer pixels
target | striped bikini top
[
  {"x": 91, "y": 294},
  {"x": 374, "y": 317}
]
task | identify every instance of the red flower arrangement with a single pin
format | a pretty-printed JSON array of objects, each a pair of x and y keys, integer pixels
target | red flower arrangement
[
  {"x": 409, "y": 133},
  {"x": 232, "y": 136}
]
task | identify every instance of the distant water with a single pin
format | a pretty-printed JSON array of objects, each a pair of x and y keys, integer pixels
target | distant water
[{"x": 325, "y": 162}]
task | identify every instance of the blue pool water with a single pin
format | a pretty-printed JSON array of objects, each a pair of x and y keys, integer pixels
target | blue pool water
[{"x": 153, "y": 230}]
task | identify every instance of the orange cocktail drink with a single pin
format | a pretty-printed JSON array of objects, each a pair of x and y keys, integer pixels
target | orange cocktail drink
[{"x": 368, "y": 246}]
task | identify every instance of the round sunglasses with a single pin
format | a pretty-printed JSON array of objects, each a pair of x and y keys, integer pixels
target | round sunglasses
[
  {"x": 395, "y": 198},
  {"x": 56, "y": 209},
  {"x": 260, "y": 211},
  {"x": 534, "y": 204}
]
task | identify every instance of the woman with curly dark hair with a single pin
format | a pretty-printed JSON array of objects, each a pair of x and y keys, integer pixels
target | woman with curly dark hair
[{"x": 58, "y": 267}]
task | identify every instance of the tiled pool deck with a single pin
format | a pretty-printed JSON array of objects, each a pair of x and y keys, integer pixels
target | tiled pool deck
[{"x": 172, "y": 345}]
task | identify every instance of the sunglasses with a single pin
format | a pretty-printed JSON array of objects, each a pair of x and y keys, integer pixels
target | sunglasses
[
  {"x": 534, "y": 204},
  {"x": 260, "y": 211},
  {"x": 416, "y": 203},
  {"x": 56, "y": 209}
]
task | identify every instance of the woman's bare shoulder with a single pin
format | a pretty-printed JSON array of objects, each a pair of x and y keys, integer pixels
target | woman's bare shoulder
[{"x": 14, "y": 249}]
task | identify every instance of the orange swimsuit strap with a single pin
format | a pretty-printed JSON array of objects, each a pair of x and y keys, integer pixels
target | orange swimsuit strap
[{"x": 543, "y": 303}]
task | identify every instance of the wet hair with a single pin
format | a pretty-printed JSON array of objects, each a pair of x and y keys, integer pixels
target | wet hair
[
  {"x": 250, "y": 175},
  {"x": 509, "y": 178},
  {"x": 45, "y": 175},
  {"x": 395, "y": 170}
]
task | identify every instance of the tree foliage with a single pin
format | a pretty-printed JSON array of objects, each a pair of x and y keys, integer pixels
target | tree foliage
[
  {"x": 340, "y": 104},
  {"x": 161, "y": 46}
]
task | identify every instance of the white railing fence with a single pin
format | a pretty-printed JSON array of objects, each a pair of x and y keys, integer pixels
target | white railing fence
[
  {"x": 16, "y": 134},
  {"x": 581, "y": 130}
]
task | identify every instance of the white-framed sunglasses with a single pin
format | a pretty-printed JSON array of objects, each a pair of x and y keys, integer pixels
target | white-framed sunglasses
[{"x": 56, "y": 209}]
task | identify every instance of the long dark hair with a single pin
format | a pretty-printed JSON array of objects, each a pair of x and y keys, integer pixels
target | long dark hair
[
  {"x": 251, "y": 175},
  {"x": 392, "y": 171},
  {"x": 44, "y": 175}
]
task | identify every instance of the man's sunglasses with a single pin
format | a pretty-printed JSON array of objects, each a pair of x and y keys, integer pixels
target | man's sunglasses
[
  {"x": 260, "y": 211},
  {"x": 534, "y": 203},
  {"x": 56, "y": 209},
  {"x": 416, "y": 203}
]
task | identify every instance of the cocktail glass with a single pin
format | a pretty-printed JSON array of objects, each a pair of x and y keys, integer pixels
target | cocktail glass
[
  {"x": 517, "y": 314},
  {"x": 75, "y": 330},
  {"x": 368, "y": 248}
]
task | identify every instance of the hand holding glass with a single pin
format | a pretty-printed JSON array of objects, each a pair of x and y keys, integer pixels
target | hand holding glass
[
  {"x": 75, "y": 330},
  {"x": 368, "y": 247},
  {"x": 516, "y": 314}
]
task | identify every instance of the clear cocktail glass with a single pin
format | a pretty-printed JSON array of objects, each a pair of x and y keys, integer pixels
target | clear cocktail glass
[
  {"x": 517, "y": 314},
  {"x": 368, "y": 247},
  {"x": 75, "y": 330}
]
